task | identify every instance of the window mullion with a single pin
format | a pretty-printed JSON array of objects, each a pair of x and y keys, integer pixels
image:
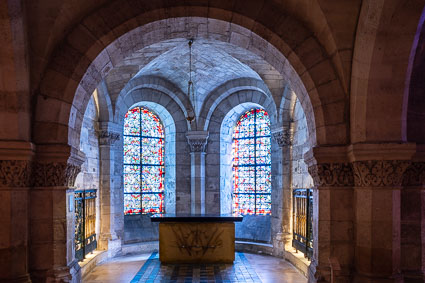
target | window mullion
[
  {"x": 141, "y": 160},
  {"x": 255, "y": 161}
]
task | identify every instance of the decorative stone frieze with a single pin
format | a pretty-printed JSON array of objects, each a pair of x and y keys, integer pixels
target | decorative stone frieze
[
  {"x": 282, "y": 137},
  {"x": 379, "y": 173},
  {"x": 197, "y": 140},
  {"x": 414, "y": 174},
  {"x": 107, "y": 137},
  {"x": 332, "y": 174},
  {"x": 54, "y": 174},
  {"x": 15, "y": 173}
]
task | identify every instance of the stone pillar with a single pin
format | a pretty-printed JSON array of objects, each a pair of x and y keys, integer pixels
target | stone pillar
[
  {"x": 378, "y": 173},
  {"x": 412, "y": 222},
  {"x": 108, "y": 238},
  {"x": 333, "y": 234},
  {"x": 281, "y": 184},
  {"x": 198, "y": 142},
  {"x": 15, "y": 175},
  {"x": 52, "y": 250}
]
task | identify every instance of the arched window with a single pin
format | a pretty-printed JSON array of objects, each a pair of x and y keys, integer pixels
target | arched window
[
  {"x": 252, "y": 164},
  {"x": 143, "y": 162}
]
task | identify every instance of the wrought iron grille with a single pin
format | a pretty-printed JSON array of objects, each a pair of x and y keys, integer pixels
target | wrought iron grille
[
  {"x": 303, "y": 221},
  {"x": 85, "y": 221}
]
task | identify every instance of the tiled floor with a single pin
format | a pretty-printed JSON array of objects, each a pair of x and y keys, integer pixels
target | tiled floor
[{"x": 247, "y": 268}]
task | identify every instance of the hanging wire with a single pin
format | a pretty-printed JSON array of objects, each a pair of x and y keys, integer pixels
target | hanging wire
[{"x": 190, "y": 89}]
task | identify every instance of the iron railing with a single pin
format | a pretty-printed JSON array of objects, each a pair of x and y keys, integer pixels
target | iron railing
[
  {"x": 85, "y": 221},
  {"x": 303, "y": 221}
]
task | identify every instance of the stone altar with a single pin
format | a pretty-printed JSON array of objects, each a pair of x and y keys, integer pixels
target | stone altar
[{"x": 196, "y": 238}]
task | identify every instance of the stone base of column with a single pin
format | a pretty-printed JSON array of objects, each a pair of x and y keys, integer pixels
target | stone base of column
[
  {"x": 413, "y": 276},
  {"x": 372, "y": 278},
  {"x": 114, "y": 247},
  {"x": 278, "y": 245},
  {"x": 110, "y": 243},
  {"x": 71, "y": 274},
  {"x": 318, "y": 274},
  {"x": 21, "y": 279}
]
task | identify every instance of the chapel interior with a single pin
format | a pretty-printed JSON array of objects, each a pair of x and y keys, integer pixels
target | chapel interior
[{"x": 306, "y": 118}]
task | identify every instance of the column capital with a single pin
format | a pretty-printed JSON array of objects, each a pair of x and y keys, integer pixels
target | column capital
[
  {"x": 197, "y": 140},
  {"x": 107, "y": 137},
  {"x": 16, "y": 163},
  {"x": 332, "y": 174},
  {"x": 282, "y": 136}
]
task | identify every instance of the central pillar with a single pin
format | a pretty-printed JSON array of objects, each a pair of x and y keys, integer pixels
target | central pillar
[
  {"x": 198, "y": 142},
  {"x": 15, "y": 177},
  {"x": 281, "y": 168},
  {"x": 52, "y": 229},
  {"x": 110, "y": 204}
]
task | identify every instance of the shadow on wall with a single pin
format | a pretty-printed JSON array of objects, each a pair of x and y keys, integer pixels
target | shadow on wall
[
  {"x": 139, "y": 228},
  {"x": 256, "y": 228}
]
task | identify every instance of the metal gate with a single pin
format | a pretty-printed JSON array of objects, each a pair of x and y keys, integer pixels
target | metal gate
[
  {"x": 85, "y": 221},
  {"x": 303, "y": 221}
]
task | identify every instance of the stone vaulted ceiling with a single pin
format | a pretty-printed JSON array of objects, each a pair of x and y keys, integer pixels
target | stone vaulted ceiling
[{"x": 213, "y": 64}]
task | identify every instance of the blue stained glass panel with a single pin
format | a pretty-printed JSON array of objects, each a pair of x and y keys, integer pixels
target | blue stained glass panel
[
  {"x": 263, "y": 204},
  {"x": 244, "y": 204},
  {"x": 152, "y": 203},
  {"x": 244, "y": 179},
  {"x": 131, "y": 150},
  {"x": 151, "y": 126},
  {"x": 132, "y": 204},
  {"x": 153, "y": 178},
  {"x": 132, "y": 122},
  {"x": 152, "y": 151}
]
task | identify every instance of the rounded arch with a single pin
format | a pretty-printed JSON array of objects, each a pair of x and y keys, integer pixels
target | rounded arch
[
  {"x": 169, "y": 110},
  {"x": 169, "y": 126},
  {"x": 164, "y": 92},
  {"x": 216, "y": 96},
  {"x": 75, "y": 69},
  {"x": 383, "y": 46},
  {"x": 235, "y": 101},
  {"x": 414, "y": 104}
]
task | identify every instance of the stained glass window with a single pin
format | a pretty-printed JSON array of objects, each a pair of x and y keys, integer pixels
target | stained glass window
[
  {"x": 252, "y": 164},
  {"x": 143, "y": 162}
]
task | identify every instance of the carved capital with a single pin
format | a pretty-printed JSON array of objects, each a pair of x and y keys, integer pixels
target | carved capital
[
  {"x": 15, "y": 173},
  {"x": 54, "y": 174},
  {"x": 379, "y": 173},
  {"x": 332, "y": 174},
  {"x": 197, "y": 141},
  {"x": 283, "y": 137},
  {"x": 107, "y": 137},
  {"x": 414, "y": 174}
]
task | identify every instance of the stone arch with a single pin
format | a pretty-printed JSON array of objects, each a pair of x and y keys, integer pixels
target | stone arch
[
  {"x": 414, "y": 105},
  {"x": 234, "y": 104},
  {"x": 216, "y": 96},
  {"x": 73, "y": 62},
  {"x": 104, "y": 102},
  {"x": 161, "y": 85},
  {"x": 174, "y": 120},
  {"x": 378, "y": 103}
]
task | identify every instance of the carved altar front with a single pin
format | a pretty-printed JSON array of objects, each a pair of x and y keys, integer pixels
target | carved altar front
[{"x": 196, "y": 238}]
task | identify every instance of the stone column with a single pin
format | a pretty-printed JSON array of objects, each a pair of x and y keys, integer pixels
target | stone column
[
  {"x": 378, "y": 173},
  {"x": 15, "y": 175},
  {"x": 333, "y": 235},
  {"x": 108, "y": 238},
  {"x": 281, "y": 184},
  {"x": 52, "y": 250},
  {"x": 412, "y": 223},
  {"x": 198, "y": 142}
]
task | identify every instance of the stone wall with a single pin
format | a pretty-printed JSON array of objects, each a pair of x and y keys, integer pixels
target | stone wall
[
  {"x": 88, "y": 178},
  {"x": 300, "y": 145}
]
